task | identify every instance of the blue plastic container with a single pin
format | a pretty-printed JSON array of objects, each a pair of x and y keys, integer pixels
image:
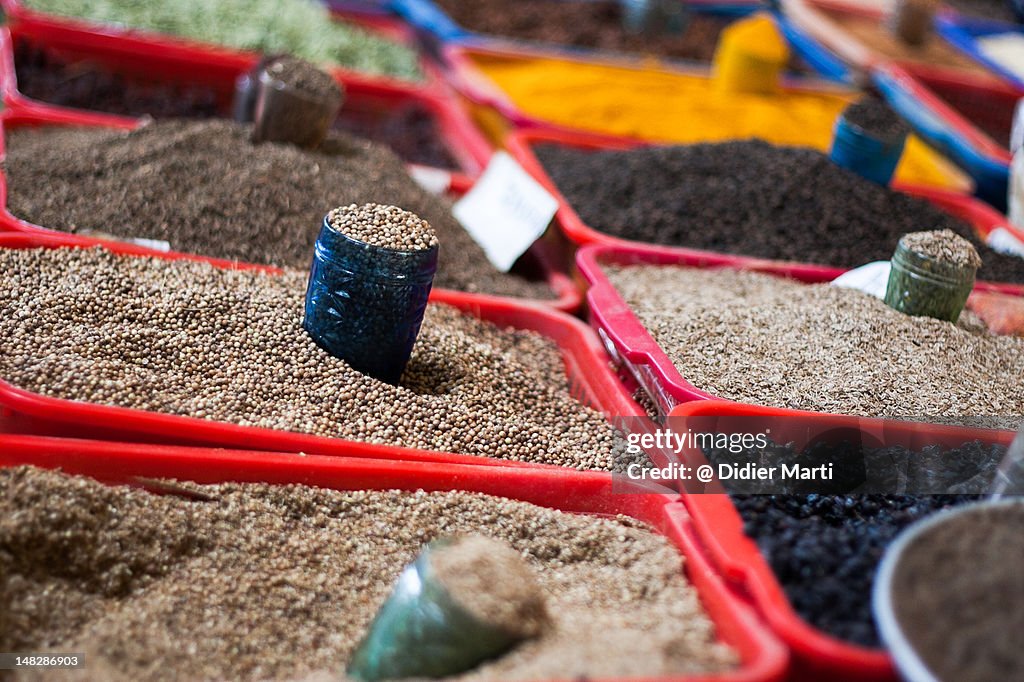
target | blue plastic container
[
  {"x": 365, "y": 303},
  {"x": 870, "y": 157}
]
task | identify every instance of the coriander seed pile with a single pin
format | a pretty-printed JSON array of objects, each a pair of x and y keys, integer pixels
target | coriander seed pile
[
  {"x": 388, "y": 227},
  {"x": 771, "y": 341},
  {"x": 185, "y": 338},
  {"x": 267, "y": 582}
]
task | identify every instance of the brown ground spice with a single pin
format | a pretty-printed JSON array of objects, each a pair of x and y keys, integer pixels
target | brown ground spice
[
  {"x": 280, "y": 582},
  {"x": 958, "y": 595},
  {"x": 876, "y": 36},
  {"x": 185, "y": 338},
  {"x": 772, "y": 341},
  {"x": 205, "y": 188},
  {"x": 490, "y": 580}
]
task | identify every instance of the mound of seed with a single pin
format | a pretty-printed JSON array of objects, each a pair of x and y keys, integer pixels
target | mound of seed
[
  {"x": 185, "y": 338},
  {"x": 877, "y": 118},
  {"x": 265, "y": 582},
  {"x": 751, "y": 198},
  {"x": 388, "y": 227},
  {"x": 205, "y": 188},
  {"x": 824, "y": 550},
  {"x": 303, "y": 76},
  {"x": 772, "y": 341},
  {"x": 944, "y": 246},
  {"x": 411, "y": 131}
]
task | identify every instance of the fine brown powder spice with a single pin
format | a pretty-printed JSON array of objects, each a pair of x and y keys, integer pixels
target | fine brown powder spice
[
  {"x": 205, "y": 188},
  {"x": 767, "y": 340},
  {"x": 280, "y": 582},
  {"x": 958, "y": 595},
  {"x": 185, "y": 338}
]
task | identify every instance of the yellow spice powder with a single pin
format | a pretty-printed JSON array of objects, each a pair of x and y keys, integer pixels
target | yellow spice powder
[{"x": 651, "y": 103}]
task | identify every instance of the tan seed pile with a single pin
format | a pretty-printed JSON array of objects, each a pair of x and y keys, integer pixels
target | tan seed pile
[
  {"x": 280, "y": 582},
  {"x": 185, "y": 338},
  {"x": 388, "y": 227},
  {"x": 305, "y": 76},
  {"x": 760, "y": 339},
  {"x": 944, "y": 246},
  {"x": 492, "y": 582}
]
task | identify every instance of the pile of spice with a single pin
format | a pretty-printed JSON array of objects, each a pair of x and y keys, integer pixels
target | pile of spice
[
  {"x": 185, "y": 338},
  {"x": 294, "y": 574},
  {"x": 300, "y": 27},
  {"x": 584, "y": 24},
  {"x": 203, "y": 187},
  {"x": 957, "y": 593},
  {"x": 824, "y": 550},
  {"x": 768, "y": 340},
  {"x": 875, "y": 35},
  {"x": 409, "y": 130},
  {"x": 752, "y": 198},
  {"x": 877, "y": 118}
]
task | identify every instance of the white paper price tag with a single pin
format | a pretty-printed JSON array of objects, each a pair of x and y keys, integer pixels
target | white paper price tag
[
  {"x": 1003, "y": 241},
  {"x": 872, "y": 279},
  {"x": 433, "y": 180},
  {"x": 506, "y": 211}
]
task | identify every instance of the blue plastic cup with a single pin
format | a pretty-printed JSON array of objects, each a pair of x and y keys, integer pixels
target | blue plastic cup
[
  {"x": 871, "y": 157},
  {"x": 365, "y": 303}
]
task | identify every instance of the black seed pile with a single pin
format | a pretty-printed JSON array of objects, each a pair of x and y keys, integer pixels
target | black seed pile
[
  {"x": 205, "y": 188},
  {"x": 825, "y": 549},
  {"x": 875, "y": 117},
  {"x": 752, "y": 198}
]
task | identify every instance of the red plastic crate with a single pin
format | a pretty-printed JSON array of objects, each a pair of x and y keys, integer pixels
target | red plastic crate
[
  {"x": 816, "y": 654},
  {"x": 567, "y": 297},
  {"x": 629, "y": 342},
  {"x": 520, "y": 144},
  {"x": 131, "y": 42},
  {"x": 590, "y": 378},
  {"x": 993, "y": 100},
  {"x": 468, "y": 147},
  {"x": 763, "y": 658}
]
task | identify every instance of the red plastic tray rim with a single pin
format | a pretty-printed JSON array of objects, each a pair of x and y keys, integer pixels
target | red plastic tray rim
[
  {"x": 520, "y": 144},
  {"x": 587, "y": 370},
  {"x": 738, "y": 559},
  {"x": 763, "y": 658},
  {"x": 911, "y": 79}
]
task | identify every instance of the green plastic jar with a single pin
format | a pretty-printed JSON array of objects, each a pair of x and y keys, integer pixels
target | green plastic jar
[{"x": 922, "y": 283}]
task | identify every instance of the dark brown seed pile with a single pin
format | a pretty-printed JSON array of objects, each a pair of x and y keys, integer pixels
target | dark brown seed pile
[
  {"x": 280, "y": 582},
  {"x": 751, "y": 198},
  {"x": 388, "y": 227},
  {"x": 304, "y": 76},
  {"x": 203, "y": 187},
  {"x": 877, "y": 118},
  {"x": 944, "y": 246},
  {"x": 958, "y": 592},
  {"x": 583, "y": 24},
  {"x": 185, "y": 338},
  {"x": 771, "y": 341}
]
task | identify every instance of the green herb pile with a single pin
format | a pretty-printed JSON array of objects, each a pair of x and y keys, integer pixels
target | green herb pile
[{"x": 301, "y": 27}]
